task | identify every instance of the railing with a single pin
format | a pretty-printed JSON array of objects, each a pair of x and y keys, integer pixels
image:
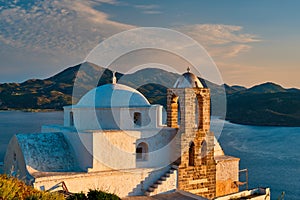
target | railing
[
  {"x": 60, "y": 184},
  {"x": 247, "y": 181},
  {"x": 281, "y": 196}
]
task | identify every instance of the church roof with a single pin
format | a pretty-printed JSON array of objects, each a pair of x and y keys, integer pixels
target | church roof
[
  {"x": 188, "y": 80},
  {"x": 113, "y": 95},
  {"x": 47, "y": 152}
]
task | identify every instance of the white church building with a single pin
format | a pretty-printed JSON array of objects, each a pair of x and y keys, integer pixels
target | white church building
[{"x": 113, "y": 139}]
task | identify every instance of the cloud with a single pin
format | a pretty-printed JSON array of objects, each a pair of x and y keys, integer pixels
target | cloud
[
  {"x": 71, "y": 28},
  {"x": 152, "y": 12},
  {"x": 150, "y": 9},
  {"x": 112, "y": 2},
  {"x": 220, "y": 40},
  {"x": 147, "y": 7},
  {"x": 227, "y": 51},
  {"x": 50, "y": 33},
  {"x": 238, "y": 73}
]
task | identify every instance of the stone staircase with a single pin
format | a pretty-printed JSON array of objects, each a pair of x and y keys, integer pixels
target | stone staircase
[
  {"x": 148, "y": 181},
  {"x": 166, "y": 182}
]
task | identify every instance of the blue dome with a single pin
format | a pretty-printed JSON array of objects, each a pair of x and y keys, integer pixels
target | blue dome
[{"x": 113, "y": 95}]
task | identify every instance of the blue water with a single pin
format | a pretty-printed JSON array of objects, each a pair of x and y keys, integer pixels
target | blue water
[
  {"x": 271, "y": 154},
  {"x": 12, "y": 122}
]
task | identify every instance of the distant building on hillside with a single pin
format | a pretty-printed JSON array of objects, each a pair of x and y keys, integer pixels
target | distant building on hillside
[{"x": 115, "y": 140}]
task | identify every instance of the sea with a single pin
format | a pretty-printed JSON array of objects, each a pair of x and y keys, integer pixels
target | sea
[{"x": 270, "y": 154}]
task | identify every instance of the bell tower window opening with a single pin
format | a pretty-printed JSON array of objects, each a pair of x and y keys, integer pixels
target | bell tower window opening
[
  {"x": 137, "y": 119},
  {"x": 175, "y": 106},
  {"x": 196, "y": 113},
  {"x": 199, "y": 112},
  {"x": 203, "y": 152},
  {"x": 192, "y": 154},
  {"x": 178, "y": 113},
  {"x": 142, "y": 152}
]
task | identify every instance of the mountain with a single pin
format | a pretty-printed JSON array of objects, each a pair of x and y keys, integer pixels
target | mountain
[
  {"x": 233, "y": 89},
  {"x": 267, "y": 88},
  {"x": 265, "y": 104},
  {"x": 54, "y": 92}
]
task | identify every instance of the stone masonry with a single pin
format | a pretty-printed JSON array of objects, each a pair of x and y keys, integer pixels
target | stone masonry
[{"x": 196, "y": 164}]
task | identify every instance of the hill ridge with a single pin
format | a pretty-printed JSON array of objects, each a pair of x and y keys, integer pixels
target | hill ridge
[{"x": 263, "y": 104}]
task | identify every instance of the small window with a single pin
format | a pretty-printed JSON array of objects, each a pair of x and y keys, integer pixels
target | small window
[
  {"x": 15, "y": 157},
  {"x": 71, "y": 119},
  {"x": 137, "y": 119},
  {"x": 192, "y": 154},
  {"x": 139, "y": 152},
  {"x": 142, "y": 152}
]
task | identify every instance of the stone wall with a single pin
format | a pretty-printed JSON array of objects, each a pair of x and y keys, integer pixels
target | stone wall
[
  {"x": 122, "y": 183},
  {"x": 199, "y": 179},
  {"x": 197, "y": 167},
  {"x": 227, "y": 175}
]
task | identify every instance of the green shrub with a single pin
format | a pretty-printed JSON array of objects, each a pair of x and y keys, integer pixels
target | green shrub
[
  {"x": 12, "y": 189},
  {"x": 45, "y": 196},
  {"x": 94, "y": 195},
  {"x": 99, "y": 195},
  {"x": 77, "y": 196}
]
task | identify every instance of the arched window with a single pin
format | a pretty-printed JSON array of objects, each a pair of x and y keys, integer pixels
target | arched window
[
  {"x": 178, "y": 112},
  {"x": 137, "y": 119},
  {"x": 203, "y": 152},
  {"x": 198, "y": 112},
  {"x": 192, "y": 154},
  {"x": 173, "y": 112},
  {"x": 141, "y": 152},
  {"x": 71, "y": 119}
]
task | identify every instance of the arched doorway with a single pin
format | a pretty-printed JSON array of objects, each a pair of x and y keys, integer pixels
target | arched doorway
[{"x": 142, "y": 152}]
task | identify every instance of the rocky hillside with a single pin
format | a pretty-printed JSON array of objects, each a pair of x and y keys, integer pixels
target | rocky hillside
[{"x": 265, "y": 104}]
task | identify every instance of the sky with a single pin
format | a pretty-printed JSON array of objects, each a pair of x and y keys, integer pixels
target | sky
[{"x": 251, "y": 41}]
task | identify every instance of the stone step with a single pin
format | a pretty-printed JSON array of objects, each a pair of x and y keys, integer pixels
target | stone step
[
  {"x": 147, "y": 193},
  {"x": 151, "y": 189},
  {"x": 163, "y": 178}
]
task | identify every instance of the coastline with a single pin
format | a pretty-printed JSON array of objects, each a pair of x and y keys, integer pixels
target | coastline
[
  {"x": 268, "y": 124},
  {"x": 234, "y": 121},
  {"x": 31, "y": 110}
]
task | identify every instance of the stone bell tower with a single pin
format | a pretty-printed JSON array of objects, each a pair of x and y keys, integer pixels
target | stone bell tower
[{"x": 188, "y": 110}]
